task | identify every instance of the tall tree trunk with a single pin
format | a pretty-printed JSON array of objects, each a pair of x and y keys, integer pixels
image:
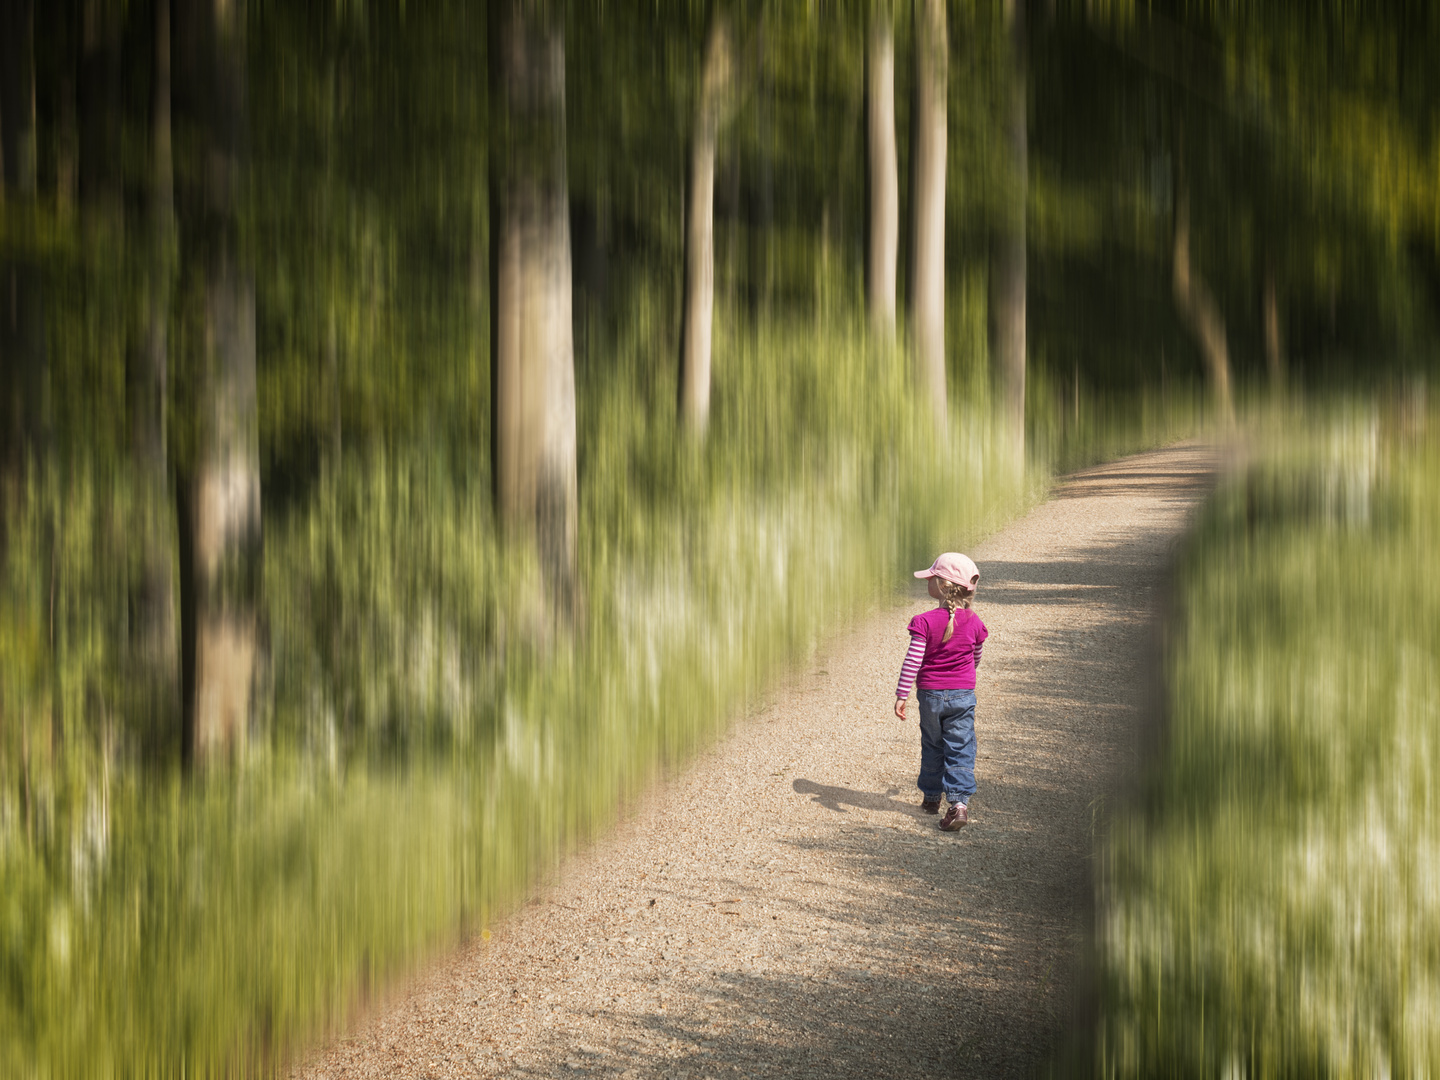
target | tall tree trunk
[
  {"x": 1274, "y": 344},
  {"x": 1007, "y": 272},
  {"x": 152, "y": 596},
  {"x": 1197, "y": 307},
  {"x": 101, "y": 190},
  {"x": 24, "y": 373},
  {"x": 219, "y": 492},
  {"x": 927, "y": 281},
  {"x": 334, "y": 380},
  {"x": 762, "y": 208},
  {"x": 58, "y": 28},
  {"x": 532, "y": 348},
  {"x": 17, "y": 97},
  {"x": 883, "y": 173},
  {"x": 697, "y": 316}
]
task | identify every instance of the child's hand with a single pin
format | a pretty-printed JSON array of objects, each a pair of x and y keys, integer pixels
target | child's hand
[{"x": 900, "y": 707}]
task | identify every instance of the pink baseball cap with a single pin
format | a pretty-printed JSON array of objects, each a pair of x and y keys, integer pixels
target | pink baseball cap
[{"x": 955, "y": 568}]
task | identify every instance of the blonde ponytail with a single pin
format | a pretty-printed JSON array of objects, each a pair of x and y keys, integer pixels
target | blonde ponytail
[{"x": 953, "y": 596}]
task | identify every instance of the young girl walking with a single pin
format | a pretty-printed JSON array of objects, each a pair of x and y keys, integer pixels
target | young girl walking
[{"x": 945, "y": 646}]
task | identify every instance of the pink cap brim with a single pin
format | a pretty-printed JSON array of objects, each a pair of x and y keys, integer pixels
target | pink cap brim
[{"x": 955, "y": 568}]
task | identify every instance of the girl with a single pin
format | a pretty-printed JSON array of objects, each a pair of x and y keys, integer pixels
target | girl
[{"x": 944, "y": 652}]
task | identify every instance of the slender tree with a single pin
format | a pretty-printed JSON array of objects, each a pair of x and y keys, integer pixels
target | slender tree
[
  {"x": 698, "y": 313},
  {"x": 1007, "y": 272},
  {"x": 1195, "y": 303},
  {"x": 24, "y": 375},
  {"x": 927, "y": 281},
  {"x": 1274, "y": 342},
  {"x": 152, "y": 595},
  {"x": 101, "y": 188},
  {"x": 17, "y": 97},
  {"x": 219, "y": 487},
  {"x": 883, "y": 172},
  {"x": 762, "y": 201},
  {"x": 58, "y": 27},
  {"x": 532, "y": 347}
]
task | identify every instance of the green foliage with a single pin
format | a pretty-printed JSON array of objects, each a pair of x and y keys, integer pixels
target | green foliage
[
  {"x": 1269, "y": 909},
  {"x": 429, "y": 750},
  {"x": 1308, "y": 144},
  {"x": 427, "y": 741}
]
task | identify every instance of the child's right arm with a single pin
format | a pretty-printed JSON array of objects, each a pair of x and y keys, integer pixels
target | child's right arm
[{"x": 908, "y": 670}]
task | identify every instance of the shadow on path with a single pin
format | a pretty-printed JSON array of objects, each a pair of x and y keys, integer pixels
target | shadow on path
[{"x": 837, "y": 798}]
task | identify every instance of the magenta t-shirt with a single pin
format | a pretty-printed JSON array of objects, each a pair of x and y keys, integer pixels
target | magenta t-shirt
[{"x": 948, "y": 665}]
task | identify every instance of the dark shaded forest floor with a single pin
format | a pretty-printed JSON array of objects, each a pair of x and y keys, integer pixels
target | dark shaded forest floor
[{"x": 782, "y": 907}]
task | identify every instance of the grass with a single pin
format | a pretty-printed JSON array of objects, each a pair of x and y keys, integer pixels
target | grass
[
  {"x": 1271, "y": 907},
  {"x": 425, "y": 755}
]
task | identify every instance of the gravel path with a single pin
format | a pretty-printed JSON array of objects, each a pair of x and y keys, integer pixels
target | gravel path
[{"x": 782, "y": 907}]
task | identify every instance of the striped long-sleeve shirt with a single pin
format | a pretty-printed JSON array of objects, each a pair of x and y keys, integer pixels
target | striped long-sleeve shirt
[{"x": 934, "y": 664}]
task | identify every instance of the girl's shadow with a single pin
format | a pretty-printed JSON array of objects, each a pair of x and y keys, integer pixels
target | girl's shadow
[{"x": 837, "y": 798}]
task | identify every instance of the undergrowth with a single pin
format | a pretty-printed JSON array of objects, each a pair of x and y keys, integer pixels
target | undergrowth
[
  {"x": 424, "y": 753},
  {"x": 1271, "y": 907}
]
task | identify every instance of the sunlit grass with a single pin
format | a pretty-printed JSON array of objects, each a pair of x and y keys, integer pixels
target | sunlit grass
[
  {"x": 427, "y": 748},
  {"x": 1273, "y": 905}
]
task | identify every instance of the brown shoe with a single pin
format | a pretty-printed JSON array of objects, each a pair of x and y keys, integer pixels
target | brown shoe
[
  {"x": 931, "y": 805},
  {"x": 956, "y": 818}
]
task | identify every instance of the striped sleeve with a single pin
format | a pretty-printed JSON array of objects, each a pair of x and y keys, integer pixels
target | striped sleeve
[
  {"x": 978, "y": 646},
  {"x": 911, "y": 667}
]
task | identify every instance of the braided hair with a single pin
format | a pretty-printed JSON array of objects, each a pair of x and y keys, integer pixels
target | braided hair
[{"x": 954, "y": 597}]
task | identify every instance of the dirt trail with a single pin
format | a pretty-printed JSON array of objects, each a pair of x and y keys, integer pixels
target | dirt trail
[{"x": 782, "y": 908}]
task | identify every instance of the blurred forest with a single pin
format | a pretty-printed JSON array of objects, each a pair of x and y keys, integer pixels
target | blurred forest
[{"x": 418, "y": 420}]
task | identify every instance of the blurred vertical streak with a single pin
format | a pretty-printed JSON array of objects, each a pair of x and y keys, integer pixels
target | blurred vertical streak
[
  {"x": 1197, "y": 307},
  {"x": 883, "y": 173},
  {"x": 927, "y": 282},
  {"x": 1274, "y": 343},
  {"x": 532, "y": 346},
  {"x": 56, "y": 35},
  {"x": 220, "y": 489},
  {"x": 152, "y": 598},
  {"x": 762, "y": 207},
  {"x": 101, "y": 191},
  {"x": 17, "y": 97},
  {"x": 698, "y": 314},
  {"x": 24, "y": 371},
  {"x": 1008, "y": 276}
]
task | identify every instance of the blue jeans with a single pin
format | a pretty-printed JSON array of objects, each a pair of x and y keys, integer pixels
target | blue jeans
[{"x": 947, "y": 744}]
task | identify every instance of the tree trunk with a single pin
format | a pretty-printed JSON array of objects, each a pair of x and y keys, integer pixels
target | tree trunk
[
  {"x": 152, "y": 596},
  {"x": 532, "y": 348},
  {"x": 1197, "y": 307},
  {"x": 101, "y": 189},
  {"x": 1274, "y": 347},
  {"x": 219, "y": 492},
  {"x": 883, "y": 174},
  {"x": 698, "y": 312},
  {"x": 334, "y": 380},
  {"x": 1008, "y": 275},
  {"x": 762, "y": 203},
  {"x": 17, "y": 97},
  {"x": 24, "y": 373},
  {"x": 927, "y": 282},
  {"x": 56, "y": 27},
  {"x": 221, "y": 526}
]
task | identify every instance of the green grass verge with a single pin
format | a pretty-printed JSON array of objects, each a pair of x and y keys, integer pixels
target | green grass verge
[{"x": 1272, "y": 905}]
